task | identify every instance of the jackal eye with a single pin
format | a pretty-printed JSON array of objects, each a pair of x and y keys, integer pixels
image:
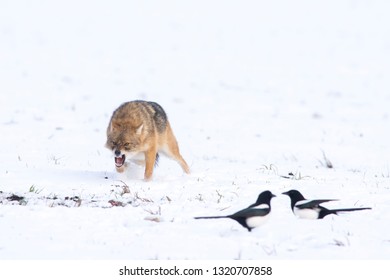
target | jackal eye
[
  {"x": 113, "y": 143},
  {"x": 130, "y": 145}
]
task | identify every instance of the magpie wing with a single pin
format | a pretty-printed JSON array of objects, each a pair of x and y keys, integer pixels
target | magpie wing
[
  {"x": 251, "y": 212},
  {"x": 309, "y": 204}
]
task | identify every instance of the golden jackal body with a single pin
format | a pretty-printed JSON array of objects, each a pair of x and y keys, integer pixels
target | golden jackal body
[{"x": 138, "y": 131}]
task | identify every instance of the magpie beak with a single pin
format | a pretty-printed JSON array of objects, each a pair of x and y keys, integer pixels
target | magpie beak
[
  {"x": 311, "y": 209},
  {"x": 254, "y": 215}
]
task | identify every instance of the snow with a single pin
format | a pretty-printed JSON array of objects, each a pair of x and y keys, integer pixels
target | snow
[{"x": 254, "y": 90}]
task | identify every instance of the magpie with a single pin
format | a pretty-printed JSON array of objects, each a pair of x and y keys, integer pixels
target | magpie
[
  {"x": 311, "y": 209},
  {"x": 254, "y": 215}
]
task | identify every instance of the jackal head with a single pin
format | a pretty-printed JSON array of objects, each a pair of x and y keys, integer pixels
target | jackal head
[{"x": 124, "y": 140}]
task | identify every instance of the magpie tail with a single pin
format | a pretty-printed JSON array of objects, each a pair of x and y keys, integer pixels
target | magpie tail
[
  {"x": 335, "y": 211},
  {"x": 211, "y": 217}
]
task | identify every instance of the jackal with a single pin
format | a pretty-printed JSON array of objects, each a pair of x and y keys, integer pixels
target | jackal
[{"x": 139, "y": 131}]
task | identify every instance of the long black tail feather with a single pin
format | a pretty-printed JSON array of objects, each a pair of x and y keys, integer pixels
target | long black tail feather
[
  {"x": 211, "y": 217},
  {"x": 335, "y": 211}
]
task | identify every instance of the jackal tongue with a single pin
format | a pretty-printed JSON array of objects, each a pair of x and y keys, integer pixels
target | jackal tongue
[{"x": 119, "y": 161}]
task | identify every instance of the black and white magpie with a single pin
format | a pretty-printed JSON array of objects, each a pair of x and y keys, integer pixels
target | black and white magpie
[
  {"x": 311, "y": 209},
  {"x": 254, "y": 215}
]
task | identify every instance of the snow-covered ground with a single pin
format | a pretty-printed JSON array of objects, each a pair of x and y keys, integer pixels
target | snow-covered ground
[{"x": 254, "y": 90}]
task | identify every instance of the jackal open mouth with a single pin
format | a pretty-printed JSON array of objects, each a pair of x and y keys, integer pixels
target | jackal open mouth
[{"x": 119, "y": 161}]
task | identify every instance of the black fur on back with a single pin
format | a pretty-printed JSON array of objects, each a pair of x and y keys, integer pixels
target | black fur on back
[{"x": 159, "y": 117}]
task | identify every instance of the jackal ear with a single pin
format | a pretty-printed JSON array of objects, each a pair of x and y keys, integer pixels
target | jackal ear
[
  {"x": 114, "y": 126},
  {"x": 139, "y": 129}
]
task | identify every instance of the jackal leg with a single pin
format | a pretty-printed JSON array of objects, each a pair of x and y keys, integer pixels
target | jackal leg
[
  {"x": 172, "y": 150},
  {"x": 150, "y": 159}
]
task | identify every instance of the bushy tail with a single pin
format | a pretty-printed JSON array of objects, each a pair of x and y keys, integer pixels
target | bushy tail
[{"x": 157, "y": 158}]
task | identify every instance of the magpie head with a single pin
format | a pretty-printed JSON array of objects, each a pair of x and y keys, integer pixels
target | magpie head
[
  {"x": 295, "y": 196},
  {"x": 264, "y": 198}
]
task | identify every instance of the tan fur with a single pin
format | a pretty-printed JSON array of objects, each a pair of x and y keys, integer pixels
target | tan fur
[{"x": 142, "y": 128}]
